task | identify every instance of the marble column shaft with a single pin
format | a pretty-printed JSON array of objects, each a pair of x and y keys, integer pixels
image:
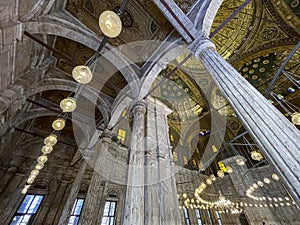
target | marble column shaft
[
  {"x": 276, "y": 136},
  {"x": 162, "y": 191},
  {"x": 89, "y": 214},
  {"x": 134, "y": 199},
  {"x": 153, "y": 215},
  {"x": 66, "y": 213}
]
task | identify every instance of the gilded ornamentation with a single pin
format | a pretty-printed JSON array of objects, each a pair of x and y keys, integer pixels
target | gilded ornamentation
[
  {"x": 233, "y": 34},
  {"x": 269, "y": 33}
]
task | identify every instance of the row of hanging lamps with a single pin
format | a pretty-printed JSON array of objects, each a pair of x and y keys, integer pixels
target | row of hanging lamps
[
  {"x": 111, "y": 26},
  {"x": 68, "y": 104},
  {"x": 59, "y": 124}
]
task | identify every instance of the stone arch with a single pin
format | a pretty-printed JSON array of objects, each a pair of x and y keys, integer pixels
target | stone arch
[
  {"x": 40, "y": 112},
  {"x": 206, "y": 15},
  {"x": 67, "y": 85},
  {"x": 171, "y": 51},
  {"x": 65, "y": 26}
]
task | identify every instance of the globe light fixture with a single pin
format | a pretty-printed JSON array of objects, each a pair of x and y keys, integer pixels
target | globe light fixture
[
  {"x": 296, "y": 118},
  {"x": 260, "y": 183},
  {"x": 32, "y": 176},
  {"x": 35, "y": 172},
  {"x": 208, "y": 181},
  {"x": 256, "y": 155},
  {"x": 30, "y": 180},
  {"x": 50, "y": 140},
  {"x": 267, "y": 180},
  {"x": 275, "y": 177},
  {"x": 58, "y": 124},
  {"x": 220, "y": 173},
  {"x": 42, "y": 159},
  {"x": 240, "y": 161},
  {"x": 39, "y": 166},
  {"x": 212, "y": 177},
  {"x": 110, "y": 24},
  {"x": 82, "y": 74},
  {"x": 229, "y": 169},
  {"x": 46, "y": 149},
  {"x": 203, "y": 185},
  {"x": 68, "y": 104},
  {"x": 24, "y": 191}
]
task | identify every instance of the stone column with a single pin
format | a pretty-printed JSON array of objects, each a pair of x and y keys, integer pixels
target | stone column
[
  {"x": 64, "y": 218},
  {"x": 276, "y": 136},
  {"x": 134, "y": 198},
  {"x": 151, "y": 170},
  {"x": 89, "y": 214},
  {"x": 161, "y": 191}
]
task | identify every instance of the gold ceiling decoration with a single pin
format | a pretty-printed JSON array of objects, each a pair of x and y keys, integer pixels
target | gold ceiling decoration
[
  {"x": 235, "y": 32},
  {"x": 289, "y": 12}
]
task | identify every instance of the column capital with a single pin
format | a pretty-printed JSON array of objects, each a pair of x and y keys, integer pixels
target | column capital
[
  {"x": 201, "y": 44},
  {"x": 139, "y": 106},
  {"x": 106, "y": 136}
]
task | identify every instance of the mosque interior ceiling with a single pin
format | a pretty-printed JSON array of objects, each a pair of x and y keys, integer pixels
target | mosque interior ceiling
[{"x": 255, "y": 42}]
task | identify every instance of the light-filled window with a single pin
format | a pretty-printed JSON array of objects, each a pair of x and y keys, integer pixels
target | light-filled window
[
  {"x": 175, "y": 157},
  {"x": 171, "y": 137},
  {"x": 186, "y": 216},
  {"x": 121, "y": 136},
  {"x": 75, "y": 214},
  {"x": 198, "y": 215},
  {"x": 27, "y": 210},
  {"x": 219, "y": 218},
  {"x": 185, "y": 160},
  {"x": 210, "y": 218},
  {"x": 124, "y": 113},
  {"x": 109, "y": 214}
]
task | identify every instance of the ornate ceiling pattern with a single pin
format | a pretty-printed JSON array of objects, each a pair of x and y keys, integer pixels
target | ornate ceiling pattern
[{"x": 234, "y": 33}]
